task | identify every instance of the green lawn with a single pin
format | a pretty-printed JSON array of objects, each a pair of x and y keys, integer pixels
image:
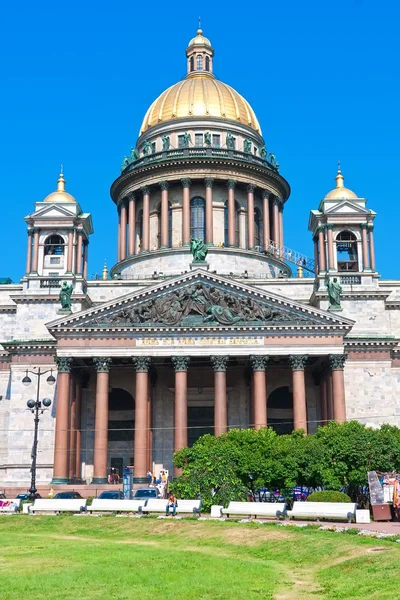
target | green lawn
[{"x": 83, "y": 558}]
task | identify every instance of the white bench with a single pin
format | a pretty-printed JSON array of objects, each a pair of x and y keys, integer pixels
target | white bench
[
  {"x": 10, "y": 505},
  {"x": 324, "y": 510},
  {"x": 255, "y": 509},
  {"x": 106, "y": 505},
  {"x": 57, "y": 506},
  {"x": 184, "y": 506}
]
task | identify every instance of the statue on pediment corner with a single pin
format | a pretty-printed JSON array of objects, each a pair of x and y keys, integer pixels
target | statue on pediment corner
[
  {"x": 65, "y": 295},
  {"x": 199, "y": 250},
  {"x": 334, "y": 292}
]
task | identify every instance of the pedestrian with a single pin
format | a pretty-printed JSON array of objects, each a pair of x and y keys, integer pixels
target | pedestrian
[{"x": 172, "y": 503}]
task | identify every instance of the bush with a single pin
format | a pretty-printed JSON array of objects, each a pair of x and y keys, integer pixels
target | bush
[{"x": 328, "y": 496}]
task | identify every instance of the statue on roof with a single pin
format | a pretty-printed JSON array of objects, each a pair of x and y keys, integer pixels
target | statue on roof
[
  {"x": 334, "y": 292},
  {"x": 134, "y": 154},
  {"x": 166, "y": 142},
  {"x": 199, "y": 250},
  {"x": 263, "y": 152},
  {"x": 207, "y": 138},
  {"x": 186, "y": 139},
  {"x": 247, "y": 146},
  {"x": 65, "y": 295},
  {"x": 125, "y": 163},
  {"x": 230, "y": 141},
  {"x": 147, "y": 148}
]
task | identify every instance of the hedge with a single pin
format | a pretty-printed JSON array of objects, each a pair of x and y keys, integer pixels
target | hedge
[{"x": 328, "y": 496}]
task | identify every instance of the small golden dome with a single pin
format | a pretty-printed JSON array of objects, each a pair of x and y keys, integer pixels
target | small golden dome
[
  {"x": 340, "y": 192},
  {"x": 200, "y": 95},
  {"x": 199, "y": 40},
  {"x": 60, "y": 195}
]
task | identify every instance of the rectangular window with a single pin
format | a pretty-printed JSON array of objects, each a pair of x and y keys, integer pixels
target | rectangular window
[
  {"x": 153, "y": 147},
  {"x": 216, "y": 140},
  {"x": 198, "y": 139},
  {"x": 54, "y": 260},
  {"x": 181, "y": 141},
  {"x": 54, "y": 274}
]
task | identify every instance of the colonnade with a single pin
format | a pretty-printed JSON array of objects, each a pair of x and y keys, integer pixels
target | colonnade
[
  {"x": 272, "y": 217},
  {"x": 77, "y": 251},
  {"x": 324, "y": 247},
  {"x": 67, "y": 437}
]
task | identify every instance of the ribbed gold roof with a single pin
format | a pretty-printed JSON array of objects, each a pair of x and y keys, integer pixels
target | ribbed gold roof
[
  {"x": 60, "y": 195},
  {"x": 340, "y": 192},
  {"x": 200, "y": 95}
]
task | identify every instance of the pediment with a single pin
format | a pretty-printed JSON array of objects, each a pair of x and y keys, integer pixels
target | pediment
[
  {"x": 347, "y": 207},
  {"x": 52, "y": 211},
  {"x": 199, "y": 300}
]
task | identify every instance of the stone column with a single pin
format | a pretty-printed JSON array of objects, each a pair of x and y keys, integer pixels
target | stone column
[
  {"x": 164, "y": 214},
  {"x": 35, "y": 251},
  {"x": 298, "y": 363},
  {"x": 275, "y": 216},
  {"x": 132, "y": 224},
  {"x": 324, "y": 401},
  {"x": 220, "y": 364},
  {"x": 372, "y": 246},
  {"x": 60, "y": 472},
  {"x": 258, "y": 364},
  {"x": 123, "y": 230},
  {"x": 181, "y": 364},
  {"x": 331, "y": 258},
  {"x": 336, "y": 363},
  {"x": 85, "y": 260},
  {"x": 266, "y": 224},
  {"x": 101, "y": 420},
  {"x": 119, "y": 237},
  {"x": 322, "y": 258},
  {"x": 316, "y": 266},
  {"x": 209, "y": 211},
  {"x": 29, "y": 252},
  {"x": 145, "y": 242},
  {"x": 142, "y": 365},
  {"x": 78, "y": 263},
  {"x": 364, "y": 241},
  {"x": 186, "y": 212},
  {"x": 78, "y": 422},
  {"x": 250, "y": 216},
  {"x": 231, "y": 213},
  {"x": 72, "y": 431},
  {"x": 329, "y": 397},
  {"x": 281, "y": 243},
  {"x": 70, "y": 250}
]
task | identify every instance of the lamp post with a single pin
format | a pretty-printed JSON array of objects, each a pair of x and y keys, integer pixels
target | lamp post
[{"x": 37, "y": 406}]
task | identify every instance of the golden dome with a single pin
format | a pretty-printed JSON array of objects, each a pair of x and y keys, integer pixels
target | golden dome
[
  {"x": 60, "y": 195},
  {"x": 200, "y": 95},
  {"x": 199, "y": 40},
  {"x": 340, "y": 192}
]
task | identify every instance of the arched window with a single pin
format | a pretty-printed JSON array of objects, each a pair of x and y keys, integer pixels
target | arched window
[
  {"x": 169, "y": 225},
  {"x": 207, "y": 63},
  {"x": 346, "y": 250},
  {"x": 199, "y": 62},
  {"x": 280, "y": 410},
  {"x": 191, "y": 63},
  {"x": 121, "y": 427},
  {"x": 54, "y": 245},
  {"x": 257, "y": 228},
  {"x": 197, "y": 220},
  {"x": 139, "y": 230},
  {"x": 237, "y": 230}
]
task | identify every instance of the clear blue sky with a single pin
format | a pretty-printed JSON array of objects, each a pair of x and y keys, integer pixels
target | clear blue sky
[{"x": 77, "y": 78}]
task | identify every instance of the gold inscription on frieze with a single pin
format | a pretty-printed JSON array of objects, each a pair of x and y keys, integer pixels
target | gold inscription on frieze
[{"x": 200, "y": 341}]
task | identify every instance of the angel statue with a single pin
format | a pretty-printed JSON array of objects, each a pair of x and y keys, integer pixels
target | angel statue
[{"x": 199, "y": 250}]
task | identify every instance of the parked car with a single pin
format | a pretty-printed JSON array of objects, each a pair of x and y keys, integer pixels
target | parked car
[
  {"x": 114, "y": 495},
  {"x": 67, "y": 496},
  {"x": 24, "y": 497},
  {"x": 2, "y": 496},
  {"x": 145, "y": 494}
]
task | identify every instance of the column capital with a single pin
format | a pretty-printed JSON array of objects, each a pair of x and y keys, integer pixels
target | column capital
[
  {"x": 209, "y": 182},
  {"x": 164, "y": 185},
  {"x": 250, "y": 188},
  {"x": 320, "y": 229},
  {"x": 336, "y": 361},
  {"x": 231, "y": 183},
  {"x": 298, "y": 361},
  {"x": 70, "y": 230},
  {"x": 258, "y": 363},
  {"x": 329, "y": 226},
  {"x": 364, "y": 225},
  {"x": 181, "y": 363},
  {"x": 131, "y": 196},
  {"x": 315, "y": 238},
  {"x": 64, "y": 365},
  {"x": 102, "y": 364},
  {"x": 142, "y": 363},
  {"x": 276, "y": 201},
  {"x": 30, "y": 230},
  {"x": 186, "y": 183},
  {"x": 265, "y": 194},
  {"x": 219, "y": 363},
  {"x": 145, "y": 190},
  {"x": 281, "y": 206},
  {"x": 370, "y": 226}
]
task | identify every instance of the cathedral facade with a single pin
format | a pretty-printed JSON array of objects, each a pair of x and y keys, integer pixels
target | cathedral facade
[{"x": 207, "y": 321}]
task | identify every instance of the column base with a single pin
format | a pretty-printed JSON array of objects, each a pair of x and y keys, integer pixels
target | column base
[
  {"x": 59, "y": 481},
  {"x": 140, "y": 480},
  {"x": 99, "y": 480}
]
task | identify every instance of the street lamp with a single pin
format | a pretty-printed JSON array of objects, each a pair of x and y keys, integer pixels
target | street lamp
[{"x": 37, "y": 406}]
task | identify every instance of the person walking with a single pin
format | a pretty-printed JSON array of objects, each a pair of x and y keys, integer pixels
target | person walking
[{"x": 172, "y": 503}]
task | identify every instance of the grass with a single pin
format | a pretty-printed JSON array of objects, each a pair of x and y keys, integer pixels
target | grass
[{"x": 68, "y": 558}]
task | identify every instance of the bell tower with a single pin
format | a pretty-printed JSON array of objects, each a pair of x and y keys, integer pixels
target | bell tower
[{"x": 342, "y": 229}]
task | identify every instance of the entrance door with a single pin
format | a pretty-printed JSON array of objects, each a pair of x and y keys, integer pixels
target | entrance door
[
  {"x": 117, "y": 464},
  {"x": 200, "y": 422}
]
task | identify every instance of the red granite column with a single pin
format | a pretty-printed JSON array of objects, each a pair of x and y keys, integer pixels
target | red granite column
[
  {"x": 70, "y": 250},
  {"x": 35, "y": 251},
  {"x": 231, "y": 213},
  {"x": 372, "y": 246},
  {"x": 209, "y": 211},
  {"x": 78, "y": 422},
  {"x": 142, "y": 365},
  {"x": 331, "y": 259},
  {"x": 220, "y": 364},
  {"x": 322, "y": 257},
  {"x": 316, "y": 267},
  {"x": 275, "y": 216},
  {"x": 281, "y": 242},
  {"x": 258, "y": 364},
  {"x": 164, "y": 214},
  {"x": 132, "y": 225},
  {"x": 72, "y": 432},
  {"x": 364, "y": 241},
  {"x": 298, "y": 363},
  {"x": 329, "y": 394},
  {"x": 250, "y": 216},
  {"x": 29, "y": 252},
  {"x": 186, "y": 212},
  {"x": 145, "y": 247},
  {"x": 266, "y": 223},
  {"x": 119, "y": 237},
  {"x": 78, "y": 261},
  {"x": 336, "y": 363},
  {"x": 123, "y": 231},
  {"x": 60, "y": 472},
  {"x": 101, "y": 420},
  {"x": 324, "y": 401},
  {"x": 85, "y": 260},
  {"x": 181, "y": 364}
]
